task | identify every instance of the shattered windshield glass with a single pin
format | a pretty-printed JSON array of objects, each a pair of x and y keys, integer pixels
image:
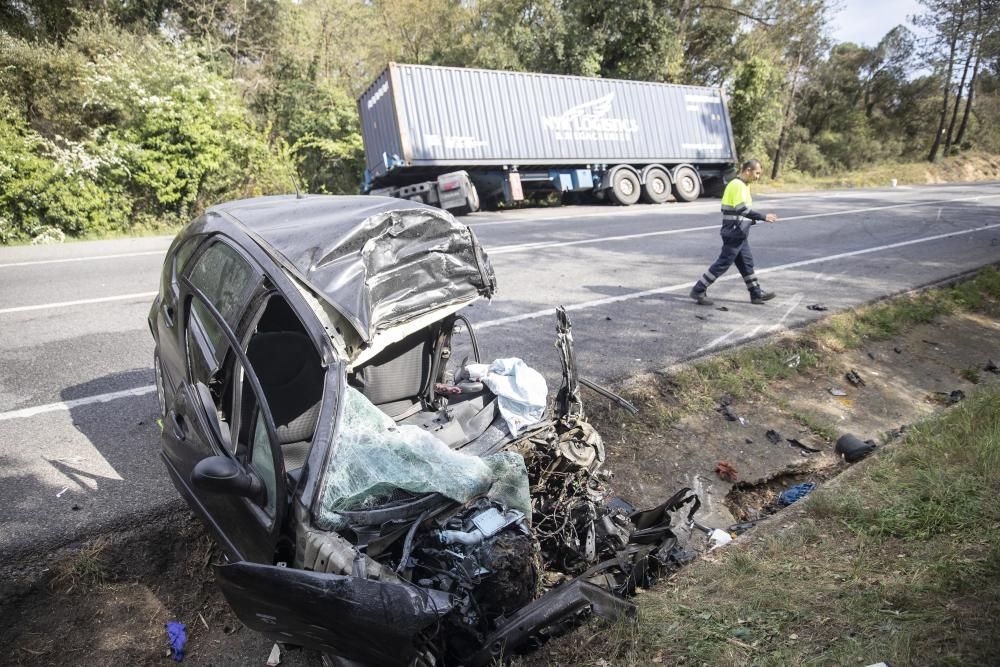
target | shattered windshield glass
[{"x": 373, "y": 458}]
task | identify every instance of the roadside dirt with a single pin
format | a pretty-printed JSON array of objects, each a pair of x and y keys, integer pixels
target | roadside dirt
[
  {"x": 106, "y": 602},
  {"x": 905, "y": 379}
]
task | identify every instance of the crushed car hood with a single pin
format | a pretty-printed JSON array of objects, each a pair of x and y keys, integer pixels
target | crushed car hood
[{"x": 377, "y": 261}]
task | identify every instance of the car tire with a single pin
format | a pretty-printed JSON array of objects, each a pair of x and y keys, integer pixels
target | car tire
[
  {"x": 625, "y": 188},
  {"x": 687, "y": 184},
  {"x": 656, "y": 189}
]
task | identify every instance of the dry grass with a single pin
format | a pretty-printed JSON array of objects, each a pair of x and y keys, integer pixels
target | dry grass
[{"x": 961, "y": 168}]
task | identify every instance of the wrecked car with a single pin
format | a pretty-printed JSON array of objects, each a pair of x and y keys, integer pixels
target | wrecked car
[{"x": 375, "y": 495}]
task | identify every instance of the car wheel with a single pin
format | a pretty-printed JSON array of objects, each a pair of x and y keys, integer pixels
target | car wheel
[
  {"x": 161, "y": 397},
  {"x": 625, "y": 189},
  {"x": 656, "y": 189},
  {"x": 687, "y": 185}
]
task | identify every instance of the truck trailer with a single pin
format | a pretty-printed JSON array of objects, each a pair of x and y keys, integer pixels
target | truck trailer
[{"x": 462, "y": 138}]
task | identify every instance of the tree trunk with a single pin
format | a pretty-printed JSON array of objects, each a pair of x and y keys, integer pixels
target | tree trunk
[
  {"x": 786, "y": 118},
  {"x": 978, "y": 48},
  {"x": 958, "y": 101},
  {"x": 944, "y": 104},
  {"x": 968, "y": 102}
]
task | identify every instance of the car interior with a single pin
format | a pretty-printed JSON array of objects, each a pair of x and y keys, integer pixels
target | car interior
[
  {"x": 404, "y": 382},
  {"x": 291, "y": 374},
  {"x": 400, "y": 381}
]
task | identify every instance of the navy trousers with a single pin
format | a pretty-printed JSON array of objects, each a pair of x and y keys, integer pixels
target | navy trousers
[{"x": 735, "y": 250}]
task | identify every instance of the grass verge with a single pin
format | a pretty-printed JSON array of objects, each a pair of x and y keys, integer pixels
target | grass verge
[
  {"x": 747, "y": 372},
  {"x": 898, "y": 562},
  {"x": 901, "y": 565},
  {"x": 967, "y": 167}
]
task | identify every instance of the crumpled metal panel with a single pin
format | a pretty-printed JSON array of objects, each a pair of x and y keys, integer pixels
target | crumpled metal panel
[
  {"x": 370, "y": 621},
  {"x": 378, "y": 261}
]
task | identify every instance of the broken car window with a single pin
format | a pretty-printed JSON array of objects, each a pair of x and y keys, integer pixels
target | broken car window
[{"x": 374, "y": 459}]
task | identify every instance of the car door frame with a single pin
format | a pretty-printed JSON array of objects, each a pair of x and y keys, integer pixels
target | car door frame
[{"x": 250, "y": 537}]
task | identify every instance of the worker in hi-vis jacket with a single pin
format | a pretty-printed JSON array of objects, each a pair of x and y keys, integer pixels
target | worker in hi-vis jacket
[{"x": 737, "y": 218}]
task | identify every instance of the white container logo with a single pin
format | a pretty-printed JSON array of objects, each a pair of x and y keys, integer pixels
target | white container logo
[
  {"x": 382, "y": 90},
  {"x": 590, "y": 122}
]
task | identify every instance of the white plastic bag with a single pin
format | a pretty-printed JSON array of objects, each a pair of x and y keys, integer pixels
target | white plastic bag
[{"x": 521, "y": 390}]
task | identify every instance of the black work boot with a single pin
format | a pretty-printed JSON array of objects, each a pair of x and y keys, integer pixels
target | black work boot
[
  {"x": 701, "y": 297},
  {"x": 758, "y": 297}
]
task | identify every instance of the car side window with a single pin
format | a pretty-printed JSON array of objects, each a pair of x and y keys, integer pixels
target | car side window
[
  {"x": 184, "y": 252},
  {"x": 262, "y": 461},
  {"x": 227, "y": 280}
]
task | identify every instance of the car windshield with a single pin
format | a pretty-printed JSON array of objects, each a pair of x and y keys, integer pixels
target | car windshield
[{"x": 374, "y": 459}]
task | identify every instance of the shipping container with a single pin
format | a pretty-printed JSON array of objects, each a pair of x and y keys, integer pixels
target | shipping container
[{"x": 563, "y": 133}]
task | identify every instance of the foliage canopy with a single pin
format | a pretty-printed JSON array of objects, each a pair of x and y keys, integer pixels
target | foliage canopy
[{"x": 117, "y": 115}]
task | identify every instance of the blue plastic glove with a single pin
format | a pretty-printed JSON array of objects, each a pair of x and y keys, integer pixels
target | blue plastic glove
[
  {"x": 797, "y": 492},
  {"x": 177, "y": 636}
]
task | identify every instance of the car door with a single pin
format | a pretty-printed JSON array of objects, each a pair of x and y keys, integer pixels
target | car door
[{"x": 218, "y": 409}]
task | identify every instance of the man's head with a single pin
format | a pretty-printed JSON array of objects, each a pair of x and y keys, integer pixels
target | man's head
[{"x": 750, "y": 171}]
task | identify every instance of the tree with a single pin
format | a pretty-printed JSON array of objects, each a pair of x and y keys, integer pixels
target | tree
[
  {"x": 803, "y": 25},
  {"x": 948, "y": 21}
]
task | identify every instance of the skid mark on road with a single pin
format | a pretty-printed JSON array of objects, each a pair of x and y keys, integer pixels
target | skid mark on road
[{"x": 793, "y": 303}]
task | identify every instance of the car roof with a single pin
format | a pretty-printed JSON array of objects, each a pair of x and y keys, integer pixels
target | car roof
[{"x": 376, "y": 260}]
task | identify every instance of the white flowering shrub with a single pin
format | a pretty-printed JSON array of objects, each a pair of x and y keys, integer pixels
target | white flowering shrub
[{"x": 113, "y": 130}]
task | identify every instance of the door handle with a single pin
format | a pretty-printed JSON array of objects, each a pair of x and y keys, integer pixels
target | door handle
[
  {"x": 168, "y": 314},
  {"x": 177, "y": 426}
]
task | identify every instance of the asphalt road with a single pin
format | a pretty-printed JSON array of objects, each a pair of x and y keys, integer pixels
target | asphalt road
[{"x": 78, "y": 433}]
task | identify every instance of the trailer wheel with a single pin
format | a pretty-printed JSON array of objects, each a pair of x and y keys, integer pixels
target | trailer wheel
[
  {"x": 687, "y": 185},
  {"x": 625, "y": 189},
  {"x": 656, "y": 189},
  {"x": 471, "y": 202}
]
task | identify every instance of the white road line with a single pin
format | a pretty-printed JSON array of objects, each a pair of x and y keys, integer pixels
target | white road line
[
  {"x": 770, "y": 198},
  {"x": 75, "y": 403},
  {"x": 506, "y": 249},
  {"x": 83, "y": 259},
  {"x": 81, "y": 302},
  {"x": 882, "y": 208},
  {"x": 687, "y": 285},
  {"x": 614, "y": 212},
  {"x": 503, "y": 250},
  {"x": 545, "y": 312}
]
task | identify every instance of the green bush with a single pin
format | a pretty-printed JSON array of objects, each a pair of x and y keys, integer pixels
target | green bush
[
  {"x": 112, "y": 130},
  {"x": 43, "y": 184},
  {"x": 321, "y": 125}
]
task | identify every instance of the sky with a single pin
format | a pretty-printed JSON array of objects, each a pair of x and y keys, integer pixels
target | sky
[{"x": 867, "y": 21}]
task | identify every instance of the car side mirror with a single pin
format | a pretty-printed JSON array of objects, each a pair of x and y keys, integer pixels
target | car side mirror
[{"x": 222, "y": 474}]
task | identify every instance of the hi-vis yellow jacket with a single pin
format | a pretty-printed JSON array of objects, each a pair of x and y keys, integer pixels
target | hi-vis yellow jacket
[{"x": 737, "y": 216}]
